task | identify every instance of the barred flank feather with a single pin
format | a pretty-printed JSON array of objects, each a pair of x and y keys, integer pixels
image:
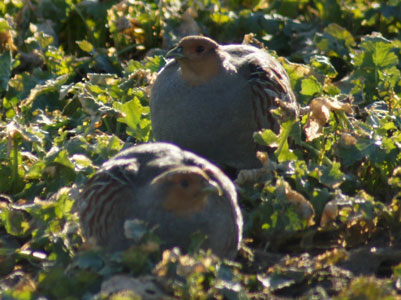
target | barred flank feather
[
  {"x": 102, "y": 195},
  {"x": 268, "y": 85}
]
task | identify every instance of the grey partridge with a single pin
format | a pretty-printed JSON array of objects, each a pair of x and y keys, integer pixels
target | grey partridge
[
  {"x": 175, "y": 192},
  {"x": 210, "y": 99}
]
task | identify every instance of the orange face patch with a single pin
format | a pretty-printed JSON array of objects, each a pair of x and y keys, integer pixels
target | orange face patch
[
  {"x": 185, "y": 194},
  {"x": 193, "y": 47}
]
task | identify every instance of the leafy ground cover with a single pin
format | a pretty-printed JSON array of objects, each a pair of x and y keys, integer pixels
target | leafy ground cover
[{"x": 322, "y": 217}]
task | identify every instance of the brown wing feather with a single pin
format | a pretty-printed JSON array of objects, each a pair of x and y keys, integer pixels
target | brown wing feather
[
  {"x": 101, "y": 203},
  {"x": 271, "y": 89}
]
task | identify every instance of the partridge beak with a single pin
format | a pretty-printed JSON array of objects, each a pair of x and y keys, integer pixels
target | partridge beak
[
  {"x": 176, "y": 52},
  {"x": 212, "y": 187}
]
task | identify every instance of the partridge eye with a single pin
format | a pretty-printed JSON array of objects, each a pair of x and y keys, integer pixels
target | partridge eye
[
  {"x": 199, "y": 49},
  {"x": 184, "y": 183}
]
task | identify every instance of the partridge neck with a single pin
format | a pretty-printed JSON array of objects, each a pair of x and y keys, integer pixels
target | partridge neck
[{"x": 200, "y": 71}]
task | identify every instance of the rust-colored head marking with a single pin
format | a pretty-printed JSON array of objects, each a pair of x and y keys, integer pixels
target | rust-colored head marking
[
  {"x": 198, "y": 57},
  {"x": 185, "y": 189}
]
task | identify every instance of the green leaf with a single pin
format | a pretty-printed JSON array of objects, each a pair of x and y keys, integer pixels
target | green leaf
[
  {"x": 4, "y": 25},
  {"x": 81, "y": 161},
  {"x": 63, "y": 158},
  {"x": 341, "y": 34},
  {"x": 85, "y": 46},
  {"x": 46, "y": 96},
  {"x": 64, "y": 204},
  {"x": 283, "y": 152},
  {"x": 266, "y": 137},
  {"x": 376, "y": 66},
  {"x": 311, "y": 87},
  {"x": 377, "y": 52},
  {"x": 43, "y": 39},
  {"x": 88, "y": 260},
  {"x": 329, "y": 10},
  {"x": 35, "y": 171},
  {"x": 336, "y": 41},
  {"x": 155, "y": 63},
  {"x": 296, "y": 72},
  {"x": 132, "y": 65},
  {"x": 14, "y": 221},
  {"x": 323, "y": 65},
  {"x": 60, "y": 63},
  {"x": 56, "y": 284},
  {"x": 332, "y": 175},
  {"x": 136, "y": 118}
]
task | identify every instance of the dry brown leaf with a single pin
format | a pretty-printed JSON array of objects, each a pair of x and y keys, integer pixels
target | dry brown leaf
[
  {"x": 250, "y": 176},
  {"x": 135, "y": 288},
  {"x": 331, "y": 257},
  {"x": 320, "y": 110},
  {"x": 188, "y": 265},
  {"x": 313, "y": 130},
  {"x": 302, "y": 206},
  {"x": 319, "y": 115},
  {"x": 250, "y": 39},
  {"x": 20, "y": 282},
  {"x": 299, "y": 70},
  {"x": 6, "y": 41},
  {"x": 255, "y": 175},
  {"x": 329, "y": 214},
  {"x": 347, "y": 140}
]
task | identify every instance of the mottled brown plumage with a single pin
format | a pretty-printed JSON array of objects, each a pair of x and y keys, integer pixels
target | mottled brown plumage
[{"x": 166, "y": 188}]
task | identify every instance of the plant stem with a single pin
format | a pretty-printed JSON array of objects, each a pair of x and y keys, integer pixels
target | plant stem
[
  {"x": 107, "y": 124},
  {"x": 14, "y": 163},
  {"x": 316, "y": 152}
]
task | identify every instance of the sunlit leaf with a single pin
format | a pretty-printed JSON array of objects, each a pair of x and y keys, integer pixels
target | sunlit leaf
[
  {"x": 335, "y": 41},
  {"x": 332, "y": 175},
  {"x": 85, "y": 46},
  {"x": 323, "y": 64},
  {"x": 135, "y": 116},
  {"x": 311, "y": 87}
]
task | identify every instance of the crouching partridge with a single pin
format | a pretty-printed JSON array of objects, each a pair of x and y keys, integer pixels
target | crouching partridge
[
  {"x": 210, "y": 99},
  {"x": 170, "y": 190}
]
